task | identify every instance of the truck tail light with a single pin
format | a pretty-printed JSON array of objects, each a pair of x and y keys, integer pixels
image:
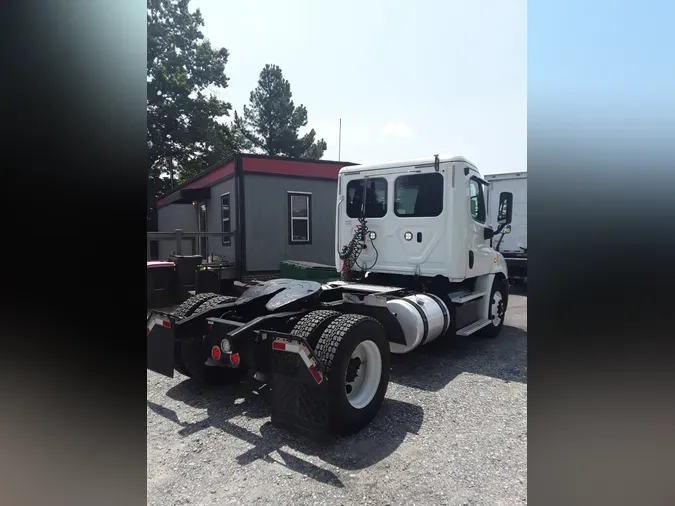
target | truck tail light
[{"x": 215, "y": 353}]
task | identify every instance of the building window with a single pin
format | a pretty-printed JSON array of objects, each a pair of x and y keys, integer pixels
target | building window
[
  {"x": 300, "y": 218},
  {"x": 376, "y": 198},
  {"x": 419, "y": 195},
  {"x": 477, "y": 200},
  {"x": 225, "y": 218}
]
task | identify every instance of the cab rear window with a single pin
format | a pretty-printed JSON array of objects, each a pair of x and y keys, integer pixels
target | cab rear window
[
  {"x": 375, "y": 192},
  {"x": 418, "y": 195}
]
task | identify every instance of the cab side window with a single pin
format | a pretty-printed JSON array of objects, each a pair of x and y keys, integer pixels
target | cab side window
[{"x": 477, "y": 200}]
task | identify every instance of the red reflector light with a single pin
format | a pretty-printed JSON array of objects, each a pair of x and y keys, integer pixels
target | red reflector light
[
  {"x": 215, "y": 353},
  {"x": 234, "y": 358},
  {"x": 148, "y": 330},
  {"x": 210, "y": 328},
  {"x": 166, "y": 323},
  {"x": 315, "y": 374},
  {"x": 277, "y": 345}
]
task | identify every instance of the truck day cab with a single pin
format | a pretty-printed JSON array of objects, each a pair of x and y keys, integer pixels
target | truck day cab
[{"x": 414, "y": 249}]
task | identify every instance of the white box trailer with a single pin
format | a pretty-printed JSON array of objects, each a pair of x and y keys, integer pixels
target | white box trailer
[{"x": 512, "y": 245}]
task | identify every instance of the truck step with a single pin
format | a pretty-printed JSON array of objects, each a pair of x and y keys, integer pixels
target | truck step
[
  {"x": 358, "y": 287},
  {"x": 462, "y": 297},
  {"x": 473, "y": 327}
]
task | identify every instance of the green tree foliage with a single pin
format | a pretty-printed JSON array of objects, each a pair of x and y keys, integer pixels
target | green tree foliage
[
  {"x": 271, "y": 122},
  {"x": 184, "y": 134}
]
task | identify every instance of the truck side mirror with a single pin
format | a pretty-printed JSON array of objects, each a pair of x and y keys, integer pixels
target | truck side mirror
[{"x": 505, "y": 208}]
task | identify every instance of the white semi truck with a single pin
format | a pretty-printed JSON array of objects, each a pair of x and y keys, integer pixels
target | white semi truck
[
  {"x": 512, "y": 243},
  {"x": 413, "y": 246}
]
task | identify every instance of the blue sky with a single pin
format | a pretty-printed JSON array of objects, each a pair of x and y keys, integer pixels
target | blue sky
[
  {"x": 408, "y": 78},
  {"x": 608, "y": 58}
]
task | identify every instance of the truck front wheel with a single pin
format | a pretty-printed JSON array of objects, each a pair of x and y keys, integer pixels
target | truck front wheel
[
  {"x": 355, "y": 353},
  {"x": 499, "y": 297}
]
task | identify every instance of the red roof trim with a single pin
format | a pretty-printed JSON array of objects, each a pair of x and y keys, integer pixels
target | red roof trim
[
  {"x": 209, "y": 178},
  {"x": 292, "y": 168},
  {"x": 212, "y": 177},
  {"x": 322, "y": 169}
]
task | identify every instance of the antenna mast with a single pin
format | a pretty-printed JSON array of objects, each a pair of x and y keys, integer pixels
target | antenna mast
[{"x": 340, "y": 140}]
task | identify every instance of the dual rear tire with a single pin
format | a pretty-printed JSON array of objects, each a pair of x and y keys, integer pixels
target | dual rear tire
[{"x": 354, "y": 351}]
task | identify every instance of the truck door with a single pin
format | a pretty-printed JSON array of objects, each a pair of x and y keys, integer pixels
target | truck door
[{"x": 481, "y": 255}]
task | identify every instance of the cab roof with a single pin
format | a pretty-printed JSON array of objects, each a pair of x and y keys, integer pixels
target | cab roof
[{"x": 403, "y": 163}]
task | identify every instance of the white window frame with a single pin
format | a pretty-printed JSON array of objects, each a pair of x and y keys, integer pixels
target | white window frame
[
  {"x": 227, "y": 241},
  {"x": 292, "y": 219}
]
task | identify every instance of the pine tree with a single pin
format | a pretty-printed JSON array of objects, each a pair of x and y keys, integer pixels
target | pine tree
[{"x": 271, "y": 122}]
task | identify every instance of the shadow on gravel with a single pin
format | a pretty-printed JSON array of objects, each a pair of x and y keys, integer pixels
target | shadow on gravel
[
  {"x": 380, "y": 439},
  {"x": 433, "y": 366}
]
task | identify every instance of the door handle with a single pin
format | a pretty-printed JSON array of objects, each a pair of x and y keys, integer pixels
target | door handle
[{"x": 419, "y": 236}]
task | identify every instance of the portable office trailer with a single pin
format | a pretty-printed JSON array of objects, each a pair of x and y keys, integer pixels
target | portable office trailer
[{"x": 280, "y": 208}]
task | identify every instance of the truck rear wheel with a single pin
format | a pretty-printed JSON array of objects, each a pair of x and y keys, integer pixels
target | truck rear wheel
[
  {"x": 188, "y": 307},
  {"x": 213, "y": 302},
  {"x": 312, "y": 325},
  {"x": 191, "y": 357},
  {"x": 183, "y": 311},
  {"x": 355, "y": 353},
  {"x": 499, "y": 296}
]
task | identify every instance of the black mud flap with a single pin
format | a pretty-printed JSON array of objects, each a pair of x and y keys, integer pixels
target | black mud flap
[
  {"x": 160, "y": 350},
  {"x": 299, "y": 402}
]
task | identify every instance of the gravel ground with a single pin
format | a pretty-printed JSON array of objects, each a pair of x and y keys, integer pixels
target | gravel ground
[{"x": 452, "y": 431}]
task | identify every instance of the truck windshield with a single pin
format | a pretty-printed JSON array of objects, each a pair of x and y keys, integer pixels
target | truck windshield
[
  {"x": 376, "y": 198},
  {"x": 419, "y": 195}
]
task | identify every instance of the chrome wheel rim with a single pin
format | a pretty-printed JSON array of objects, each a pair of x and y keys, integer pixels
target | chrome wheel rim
[
  {"x": 497, "y": 309},
  {"x": 363, "y": 374}
]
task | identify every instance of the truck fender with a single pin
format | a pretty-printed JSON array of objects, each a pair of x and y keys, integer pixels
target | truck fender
[{"x": 484, "y": 284}]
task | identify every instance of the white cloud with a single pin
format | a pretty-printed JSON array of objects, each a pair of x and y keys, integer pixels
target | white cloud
[{"x": 397, "y": 129}]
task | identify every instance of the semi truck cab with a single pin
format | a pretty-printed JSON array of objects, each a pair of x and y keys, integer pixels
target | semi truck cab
[{"x": 425, "y": 218}]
